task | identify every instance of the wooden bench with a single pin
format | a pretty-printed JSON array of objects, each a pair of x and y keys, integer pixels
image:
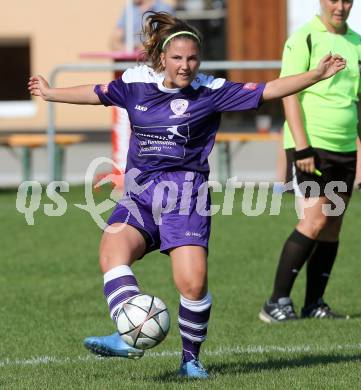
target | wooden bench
[
  {"x": 224, "y": 156},
  {"x": 28, "y": 142}
]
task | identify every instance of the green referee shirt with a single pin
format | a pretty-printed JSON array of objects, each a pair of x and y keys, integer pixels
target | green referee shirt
[{"x": 329, "y": 108}]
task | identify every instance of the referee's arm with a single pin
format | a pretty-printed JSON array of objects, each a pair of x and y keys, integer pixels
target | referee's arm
[{"x": 359, "y": 118}]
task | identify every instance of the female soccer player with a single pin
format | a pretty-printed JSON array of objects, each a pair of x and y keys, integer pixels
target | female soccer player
[
  {"x": 174, "y": 113},
  {"x": 320, "y": 137}
]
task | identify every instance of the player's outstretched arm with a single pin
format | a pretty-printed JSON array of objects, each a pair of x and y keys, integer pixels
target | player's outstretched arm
[
  {"x": 285, "y": 86},
  {"x": 82, "y": 94}
]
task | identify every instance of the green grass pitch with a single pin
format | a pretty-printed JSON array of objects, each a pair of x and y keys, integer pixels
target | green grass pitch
[{"x": 51, "y": 298}]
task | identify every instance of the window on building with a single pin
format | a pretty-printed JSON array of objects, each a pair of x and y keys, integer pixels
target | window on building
[
  {"x": 14, "y": 69},
  {"x": 15, "y": 100},
  {"x": 208, "y": 16}
]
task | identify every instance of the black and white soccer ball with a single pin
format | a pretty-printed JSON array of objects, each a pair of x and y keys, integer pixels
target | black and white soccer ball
[{"x": 143, "y": 322}]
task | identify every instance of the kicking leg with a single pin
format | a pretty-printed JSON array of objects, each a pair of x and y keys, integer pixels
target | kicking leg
[{"x": 117, "y": 253}]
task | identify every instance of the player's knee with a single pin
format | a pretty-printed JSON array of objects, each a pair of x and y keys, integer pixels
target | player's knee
[
  {"x": 193, "y": 290},
  {"x": 312, "y": 228}
]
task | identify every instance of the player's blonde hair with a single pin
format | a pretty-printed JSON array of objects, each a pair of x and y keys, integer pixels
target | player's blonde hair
[{"x": 158, "y": 27}]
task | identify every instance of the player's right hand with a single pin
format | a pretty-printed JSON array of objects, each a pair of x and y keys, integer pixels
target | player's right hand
[
  {"x": 38, "y": 86},
  {"x": 306, "y": 165},
  {"x": 330, "y": 65},
  {"x": 305, "y": 159}
]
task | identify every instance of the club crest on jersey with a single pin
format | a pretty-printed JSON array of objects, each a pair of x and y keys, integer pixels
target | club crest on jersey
[
  {"x": 179, "y": 107},
  {"x": 104, "y": 88},
  {"x": 250, "y": 86}
]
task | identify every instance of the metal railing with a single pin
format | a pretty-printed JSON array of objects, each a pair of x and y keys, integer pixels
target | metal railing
[{"x": 118, "y": 66}]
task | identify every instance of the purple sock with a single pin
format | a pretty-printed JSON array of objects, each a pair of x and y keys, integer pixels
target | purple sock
[
  {"x": 193, "y": 323},
  {"x": 119, "y": 285}
]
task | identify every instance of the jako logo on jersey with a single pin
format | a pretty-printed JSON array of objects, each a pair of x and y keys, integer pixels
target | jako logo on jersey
[
  {"x": 250, "y": 86},
  {"x": 179, "y": 107},
  {"x": 141, "y": 108}
]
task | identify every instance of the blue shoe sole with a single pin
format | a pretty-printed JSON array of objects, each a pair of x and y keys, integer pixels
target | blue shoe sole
[
  {"x": 186, "y": 376},
  {"x": 102, "y": 351}
]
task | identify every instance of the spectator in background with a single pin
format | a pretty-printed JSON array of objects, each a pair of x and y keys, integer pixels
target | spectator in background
[
  {"x": 118, "y": 40},
  {"x": 320, "y": 141}
]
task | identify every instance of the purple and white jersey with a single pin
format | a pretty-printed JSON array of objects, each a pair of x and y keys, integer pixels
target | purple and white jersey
[{"x": 174, "y": 129}]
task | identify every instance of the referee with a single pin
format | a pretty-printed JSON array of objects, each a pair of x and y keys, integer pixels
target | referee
[{"x": 320, "y": 136}]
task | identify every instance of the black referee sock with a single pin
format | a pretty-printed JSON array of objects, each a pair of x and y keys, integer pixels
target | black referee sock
[
  {"x": 295, "y": 253},
  {"x": 319, "y": 267}
]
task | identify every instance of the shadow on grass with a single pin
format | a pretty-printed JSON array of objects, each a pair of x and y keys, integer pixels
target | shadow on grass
[
  {"x": 8, "y": 190},
  {"x": 354, "y": 316},
  {"x": 280, "y": 364},
  {"x": 233, "y": 368}
]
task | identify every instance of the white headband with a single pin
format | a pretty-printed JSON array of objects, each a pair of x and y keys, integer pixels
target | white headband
[{"x": 179, "y": 33}]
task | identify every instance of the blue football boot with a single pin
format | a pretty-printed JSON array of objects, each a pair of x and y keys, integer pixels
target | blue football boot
[
  {"x": 193, "y": 369},
  {"x": 112, "y": 346}
]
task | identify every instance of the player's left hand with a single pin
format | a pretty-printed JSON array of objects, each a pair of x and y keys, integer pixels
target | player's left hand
[
  {"x": 38, "y": 86},
  {"x": 330, "y": 65}
]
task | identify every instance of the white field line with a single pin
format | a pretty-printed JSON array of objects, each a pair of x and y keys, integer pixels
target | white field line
[{"x": 227, "y": 351}]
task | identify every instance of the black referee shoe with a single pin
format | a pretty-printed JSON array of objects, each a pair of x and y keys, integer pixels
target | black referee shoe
[
  {"x": 321, "y": 310},
  {"x": 280, "y": 311}
]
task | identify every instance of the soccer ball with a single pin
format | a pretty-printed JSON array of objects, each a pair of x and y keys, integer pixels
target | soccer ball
[{"x": 143, "y": 322}]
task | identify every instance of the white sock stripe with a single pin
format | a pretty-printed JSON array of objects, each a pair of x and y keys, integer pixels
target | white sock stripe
[
  {"x": 325, "y": 275},
  {"x": 192, "y": 325},
  {"x": 190, "y": 353},
  {"x": 116, "y": 308},
  {"x": 117, "y": 272},
  {"x": 119, "y": 306},
  {"x": 195, "y": 339},
  {"x": 197, "y": 306},
  {"x": 120, "y": 291},
  {"x": 114, "y": 314}
]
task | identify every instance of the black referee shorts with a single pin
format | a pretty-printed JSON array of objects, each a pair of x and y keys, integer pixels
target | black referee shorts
[{"x": 336, "y": 167}]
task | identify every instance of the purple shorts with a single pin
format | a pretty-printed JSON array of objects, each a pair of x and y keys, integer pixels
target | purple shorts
[{"x": 172, "y": 211}]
